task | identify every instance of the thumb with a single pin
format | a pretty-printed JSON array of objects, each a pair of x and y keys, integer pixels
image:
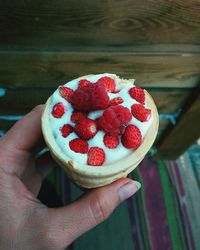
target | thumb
[{"x": 67, "y": 223}]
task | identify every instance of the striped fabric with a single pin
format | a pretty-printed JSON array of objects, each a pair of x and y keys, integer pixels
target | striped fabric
[{"x": 164, "y": 214}]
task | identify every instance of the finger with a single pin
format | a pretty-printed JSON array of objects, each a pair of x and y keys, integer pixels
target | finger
[
  {"x": 26, "y": 133},
  {"x": 67, "y": 223},
  {"x": 34, "y": 174},
  {"x": 44, "y": 164}
]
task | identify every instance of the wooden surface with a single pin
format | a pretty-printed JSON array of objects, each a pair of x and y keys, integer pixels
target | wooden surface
[
  {"x": 47, "y": 43},
  {"x": 49, "y": 69},
  {"x": 187, "y": 130},
  {"x": 126, "y": 25}
]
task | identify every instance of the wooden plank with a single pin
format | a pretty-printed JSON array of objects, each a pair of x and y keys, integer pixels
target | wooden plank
[
  {"x": 20, "y": 101},
  {"x": 115, "y": 25},
  {"x": 187, "y": 130},
  {"x": 48, "y": 69},
  {"x": 5, "y": 125}
]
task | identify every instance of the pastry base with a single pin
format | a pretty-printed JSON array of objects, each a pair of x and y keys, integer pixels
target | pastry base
[{"x": 88, "y": 177}]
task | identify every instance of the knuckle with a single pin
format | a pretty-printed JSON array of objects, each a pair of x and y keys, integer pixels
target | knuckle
[{"x": 100, "y": 208}]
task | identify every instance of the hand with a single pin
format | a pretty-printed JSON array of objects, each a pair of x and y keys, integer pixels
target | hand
[{"x": 25, "y": 222}]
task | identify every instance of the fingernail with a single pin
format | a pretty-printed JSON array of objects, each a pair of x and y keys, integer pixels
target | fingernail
[{"x": 128, "y": 190}]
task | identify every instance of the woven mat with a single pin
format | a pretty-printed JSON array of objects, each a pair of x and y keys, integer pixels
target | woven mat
[{"x": 164, "y": 214}]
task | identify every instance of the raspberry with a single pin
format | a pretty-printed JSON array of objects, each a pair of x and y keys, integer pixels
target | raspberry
[
  {"x": 111, "y": 141},
  {"x": 140, "y": 112},
  {"x": 86, "y": 128},
  {"x": 76, "y": 116},
  {"x": 123, "y": 113},
  {"x": 116, "y": 101},
  {"x": 108, "y": 82},
  {"x": 58, "y": 110},
  {"x": 138, "y": 94},
  {"x": 83, "y": 83},
  {"x": 114, "y": 119},
  {"x": 66, "y": 92},
  {"x": 79, "y": 146},
  {"x": 90, "y": 97},
  {"x": 96, "y": 156},
  {"x": 132, "y": 137},
  {"x": 66, "y": 130}
]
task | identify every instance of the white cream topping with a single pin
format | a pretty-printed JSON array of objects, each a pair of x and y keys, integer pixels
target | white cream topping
[{"x": 112, "y": 155}]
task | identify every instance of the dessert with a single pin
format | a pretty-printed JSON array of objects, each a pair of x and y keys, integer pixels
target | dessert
[{"x": 99, "y": 128}]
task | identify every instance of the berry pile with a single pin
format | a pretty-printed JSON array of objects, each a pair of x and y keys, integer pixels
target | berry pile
[{"x": 114, "y": 121}]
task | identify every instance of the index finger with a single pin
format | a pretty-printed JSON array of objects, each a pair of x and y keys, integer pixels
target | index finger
[{"x": 26, "y": 134}]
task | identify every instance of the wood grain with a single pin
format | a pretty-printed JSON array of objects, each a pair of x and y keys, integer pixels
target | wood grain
[
  {"x": 21, "y": 101},
  {"x": 100, "y": 25},
  {"x": 49, "y": 69},
  {"x": 178, "y": 138}
]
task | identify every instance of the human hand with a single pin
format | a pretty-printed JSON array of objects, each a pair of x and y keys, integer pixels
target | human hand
[{"x": 25, "y": 222}]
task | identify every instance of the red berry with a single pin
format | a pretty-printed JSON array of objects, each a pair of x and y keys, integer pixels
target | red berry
[
  {"x": 90, "y": 97},
  {"x": 114, "y": 119},
  {"x": 132, "y": 137},
  {"x": 83, "y": 83},
  {"x": 138, "y": 94},
  {"x": 96, "y": 156},
  {"x": 86, "y": 128},
  {"x": 140, "y": 112},
  {"x": 66, "y": 92},
  {"x": 66, "y": 130},
  {"x": 108, "y": 82},
  {"x": 79, "y": 146},
  {"x": 116, "y": 101},
  {"x": 111, "y": 141},
  {"x": 58, "y": 110},
  {"x": 76, "y": 116}
]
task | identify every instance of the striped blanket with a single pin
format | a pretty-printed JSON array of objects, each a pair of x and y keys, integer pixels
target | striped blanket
[{"x": 164, "y": 214}]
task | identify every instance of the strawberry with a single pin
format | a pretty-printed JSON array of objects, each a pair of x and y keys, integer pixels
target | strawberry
[
  {"x": 96, "y": 156},
  {"x": 114, "y": 119},
  {"x": 66, "y": 93},
  {"x": 140, "y": 112},
  {"x": 86, "y": 128},
  {"x": 111, "y": 141},
  {"x": 58, "y": 110},
  {"x": 116, "y": 101},
  {"x": 132, "y": 137},
  {"x": 66, "y": 130},
  {"x": 90, "y": 97},
  {"x": 79, "y": 146},
  {"x": 138, "y": 94},
  {"x": 108, "y": 82},
  {"x": 83, "y": 83},
  {"x": 76, "y": 116}
]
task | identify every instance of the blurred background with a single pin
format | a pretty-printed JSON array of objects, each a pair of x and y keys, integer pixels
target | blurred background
[{"x": 46, "y": 43}]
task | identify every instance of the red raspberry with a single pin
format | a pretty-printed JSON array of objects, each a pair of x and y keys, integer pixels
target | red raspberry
[
  {"x": 58, "y": 110},
  {"x": 86, "y": 128},
  {"x": 90, "y": 97},
  {"x": 66, "y": 93},
  {"x": 66, "y": 130},
  {"x": 76, "y": 116},
  {"x": 138, "y": 94},
  {"x": 140, "y": 112},
  {"x": 123, "y": 113},
  {"x": 116, "y": 101},
  {"x": 96, "y": 156},
  {"x": 108, "y": 82},
  {"x": 111, "y": 141},
  {"x": 132, "y": 137},
  {"x": 114, "y": 119},
  {"x": 83, "y": 83},
  {"x": 79, "y": 146}
]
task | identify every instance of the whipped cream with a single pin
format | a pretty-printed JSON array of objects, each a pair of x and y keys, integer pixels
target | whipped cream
[{"x": 112, "y": 155}]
